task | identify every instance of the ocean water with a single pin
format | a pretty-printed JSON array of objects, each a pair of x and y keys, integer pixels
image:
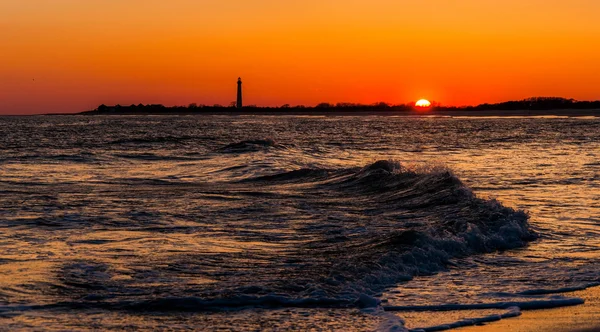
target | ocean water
[{"x": 293, "y": 223}]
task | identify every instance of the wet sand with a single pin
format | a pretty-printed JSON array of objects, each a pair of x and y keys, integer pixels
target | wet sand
[{"x": 582, "y": 318}]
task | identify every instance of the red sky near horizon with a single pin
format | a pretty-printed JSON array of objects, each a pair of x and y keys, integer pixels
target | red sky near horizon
[{"x": 72, "y": 55}]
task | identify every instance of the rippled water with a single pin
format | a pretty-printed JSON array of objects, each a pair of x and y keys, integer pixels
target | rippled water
[{"x": 253, "y": 222}]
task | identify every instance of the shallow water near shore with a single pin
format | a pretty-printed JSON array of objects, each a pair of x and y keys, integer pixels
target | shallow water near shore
[{"x": 270, "y": 223}]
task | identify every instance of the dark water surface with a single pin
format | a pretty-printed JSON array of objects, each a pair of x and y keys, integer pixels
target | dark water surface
[{"x": 252, "y": 222}]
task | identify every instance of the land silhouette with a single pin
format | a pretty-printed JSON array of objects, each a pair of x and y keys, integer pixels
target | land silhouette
[{"x": 530, "y": 106}]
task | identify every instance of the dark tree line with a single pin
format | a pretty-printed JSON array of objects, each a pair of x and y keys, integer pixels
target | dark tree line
[
  {"x": 194, "y": 108},
  {"x": 540, "y": 103},
  {"x": 536, "y": 103}
]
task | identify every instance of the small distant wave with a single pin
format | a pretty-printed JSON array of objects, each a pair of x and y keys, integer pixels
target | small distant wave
[
  {"x": 154, "y": 157},
  {"x": 248, "y": 146},
  {"x": 156, "y": 140},
  {"x": 301, "y": 175},
  {"x": 195, "y": 304},
  {"x": 81, "y": 157},
  {"x": 142, "y": 182}
]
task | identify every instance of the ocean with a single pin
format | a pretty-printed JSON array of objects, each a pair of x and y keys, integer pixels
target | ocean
[{"x": 272, "y": 223}]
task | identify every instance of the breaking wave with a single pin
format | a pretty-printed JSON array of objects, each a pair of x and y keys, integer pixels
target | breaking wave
[{"x": 355, "y": 231}]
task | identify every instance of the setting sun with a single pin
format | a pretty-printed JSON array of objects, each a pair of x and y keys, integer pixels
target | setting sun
[{"x": 423, "y": 103}]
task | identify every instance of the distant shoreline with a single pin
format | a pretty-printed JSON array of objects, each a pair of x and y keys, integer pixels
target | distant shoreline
[
  {"x": 423, "y": 113},
  {"x": 536, "y": 106}
]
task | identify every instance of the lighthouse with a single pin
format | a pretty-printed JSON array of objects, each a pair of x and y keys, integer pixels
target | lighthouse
[{"x": 239, "y": 103}]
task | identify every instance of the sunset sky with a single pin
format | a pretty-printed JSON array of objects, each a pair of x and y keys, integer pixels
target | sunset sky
[{"x": 72, "y": 55}]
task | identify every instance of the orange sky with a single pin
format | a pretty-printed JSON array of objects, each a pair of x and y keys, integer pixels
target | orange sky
[{"x": 72, "y": 55}]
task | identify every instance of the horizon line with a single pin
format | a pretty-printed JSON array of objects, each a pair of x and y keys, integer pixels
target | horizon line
[{"x": 379, "y": 103}]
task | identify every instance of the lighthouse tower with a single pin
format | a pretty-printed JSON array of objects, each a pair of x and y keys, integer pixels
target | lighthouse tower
[{"x": 239, "y": 103}]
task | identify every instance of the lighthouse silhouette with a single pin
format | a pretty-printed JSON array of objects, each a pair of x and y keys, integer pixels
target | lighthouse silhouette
[{"x": 239, "y": 103}]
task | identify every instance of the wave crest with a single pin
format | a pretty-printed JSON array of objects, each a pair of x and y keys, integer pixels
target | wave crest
[
  {"x": 248, "y": 146},
  {"x": 343, "y": 235}
]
